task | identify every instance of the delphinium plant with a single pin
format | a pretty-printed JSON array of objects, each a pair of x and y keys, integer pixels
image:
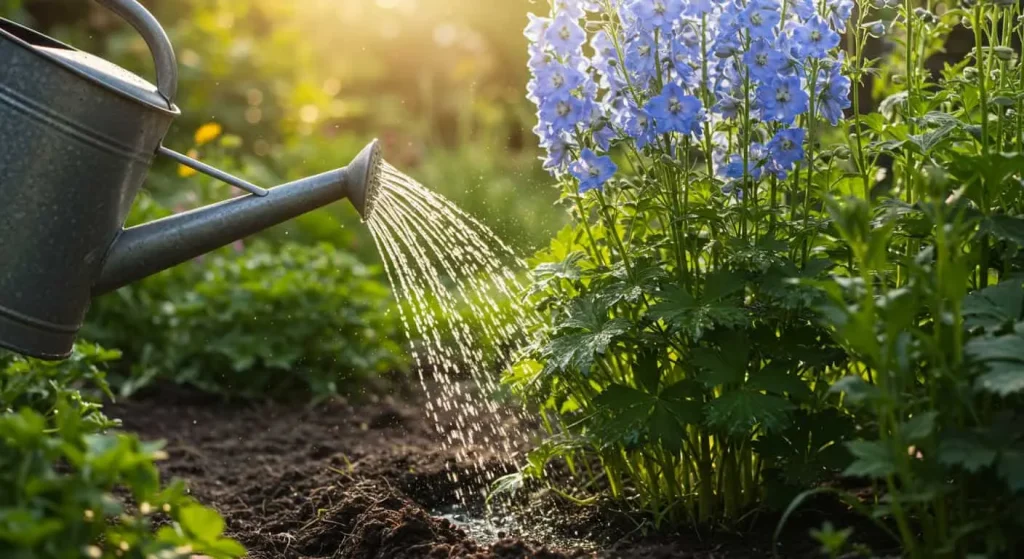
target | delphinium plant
[
  {"x": 929, "y": 307},
  {"x": 680, "y": 364}
]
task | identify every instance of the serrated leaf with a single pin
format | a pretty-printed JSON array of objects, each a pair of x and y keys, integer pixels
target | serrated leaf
[
  {"x": 739, "y": 411},
  {"x": 675, "y": 303},
  {"x": 1003, "y": 378},
  {"x": 872, "y": 459},
  {"x": 1005, "y": 228},
  {"x": 684, "y": 400},
  {"x": 625, "y": 408},
  {"x": 966, "y": 452},
  {"x": 858, "y": 391},
  {"x": 779, "y": 378},
  {"x": 919, "y": 427},
  {"x": 727, "y": 365},
  {"x": 721, "y": 284},
  {"x": 928, "y": 140},
  {"x": 664, "y": 425},
  {"x": 579, "y": 350},
  {"x": 994, "y": 306}
]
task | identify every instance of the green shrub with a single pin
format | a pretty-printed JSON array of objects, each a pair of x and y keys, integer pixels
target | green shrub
[
  {"x": 63, "y": 479},
  {"x": 262, "y": 321},
  {"x": 78, "y": 382}
]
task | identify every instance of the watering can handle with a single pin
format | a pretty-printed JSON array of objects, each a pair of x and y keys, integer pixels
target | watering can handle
[{"x": 156, "y": 38}]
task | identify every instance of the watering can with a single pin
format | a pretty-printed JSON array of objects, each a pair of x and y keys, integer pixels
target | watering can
[{"x": 77, "y": 137}]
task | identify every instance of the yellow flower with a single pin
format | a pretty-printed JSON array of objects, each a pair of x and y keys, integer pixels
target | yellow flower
[
  {"x": 208, "y": 133},
  {"x": 186, "y": 172}
]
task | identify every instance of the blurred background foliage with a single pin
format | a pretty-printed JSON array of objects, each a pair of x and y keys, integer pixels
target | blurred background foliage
[
  {"x": 276, "y": 91},
  {"x": 300, "y": 87}
]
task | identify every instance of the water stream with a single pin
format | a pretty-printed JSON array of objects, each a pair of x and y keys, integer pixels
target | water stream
[{"x": 461, "y": 306}]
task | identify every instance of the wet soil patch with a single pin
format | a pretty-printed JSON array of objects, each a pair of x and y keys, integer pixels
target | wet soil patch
[{"x": 370, "y": 480}]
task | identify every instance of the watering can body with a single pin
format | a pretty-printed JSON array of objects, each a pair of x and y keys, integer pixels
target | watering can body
[{"x": 77, "y": 138}]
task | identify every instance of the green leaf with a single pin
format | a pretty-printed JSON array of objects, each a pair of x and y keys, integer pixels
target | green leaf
[
  {"x": 1002, "y": 378},
  {"x": 967, "y": 452},
  {"x": 779, "y": 378},
  {"x": 858, "y": 391},
  {"x": 994, "y": 306},
  {"x": 675, "y": 303},
  {"x": 646, "y": 373},
  {"x": 567, "y": 269},
  {"x": 665, "y": 426},
  {"x": 579, "y": 350},
  {"x": 872, "y": 459},
  {"x": 1011, "y": 468},
  {"x": 685, "y": 400},
  {"x": 724, "y": 366},
  {"x": 624, "y": 408},
  {"x": 919, "y": 427},
  {"x": 682, "y": 311},
  {"x": 1005, "y": 228},
  {"x": 721, "y": 284},
  {"x": 203, "y": 523},
  {"x": 739, "y": 411}
]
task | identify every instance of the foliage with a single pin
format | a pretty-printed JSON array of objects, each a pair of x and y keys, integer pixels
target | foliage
[
  {"x": 677, "y": 352},
  {"x": 63, "y": 477},
  {"x": 298, "y": 88},
  {"x": 743, "y": 308},
  {"x": 75, "y": 384},
  {"x": 262, "y": 321}
]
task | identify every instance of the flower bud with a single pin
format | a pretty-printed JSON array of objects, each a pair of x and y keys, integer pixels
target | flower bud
[
  {"x": 842, "y": 152},
  {"x": 924, "y": 15},
  {"x": 875, "y": 28},
  {"x": 1004, "y": 53},
  {"x": 966, "y": 22},
  {"x": 971, "y": 74}
]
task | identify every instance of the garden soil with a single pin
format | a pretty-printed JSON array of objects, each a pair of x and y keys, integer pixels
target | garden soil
[{"x": 367, "y": 480}]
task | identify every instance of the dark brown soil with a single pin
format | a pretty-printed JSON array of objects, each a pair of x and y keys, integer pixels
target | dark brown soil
[{"x": 359, "y": 481}]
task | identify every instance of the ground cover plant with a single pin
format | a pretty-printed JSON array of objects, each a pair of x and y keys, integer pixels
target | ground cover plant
[
  {"x": 290, "y": 320},
  {"x": 764, "y": 288},
  {"x": 66, "y": 476}
]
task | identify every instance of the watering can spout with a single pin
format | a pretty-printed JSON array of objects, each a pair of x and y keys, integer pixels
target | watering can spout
[{"x": 147, "y": 249}]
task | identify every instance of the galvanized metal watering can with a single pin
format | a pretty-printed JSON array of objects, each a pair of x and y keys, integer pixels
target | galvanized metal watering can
[{"x": 77, "y": 137}]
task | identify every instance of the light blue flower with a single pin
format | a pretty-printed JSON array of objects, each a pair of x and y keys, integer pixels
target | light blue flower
[
  {"x": 839, "y": 11},
  {"x": 565, "y": 35},
  {"x": 675, "y": 111},
  {"x": 760, "y": 18},
  {"x": 785, "y": 149},
  {"x": 815, "y": 38},
  {"x": 764, "y": 60},
  {"x": 833, "y": 95},
  {"x": 592, "y": 171},
  {"x": 562, "y": 114},
  {"x": 536, "y": 29},
  {"x": 657, "y": 14},
  {"x": 782, "y": 99}
]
